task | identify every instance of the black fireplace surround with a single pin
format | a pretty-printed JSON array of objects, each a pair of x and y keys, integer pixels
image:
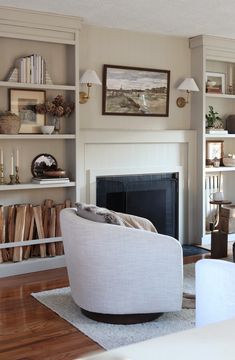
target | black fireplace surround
[{"x": 153, "y": 196}]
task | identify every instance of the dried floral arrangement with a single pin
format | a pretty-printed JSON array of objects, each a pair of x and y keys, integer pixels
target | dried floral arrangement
[{"x": 57, "y": 107}]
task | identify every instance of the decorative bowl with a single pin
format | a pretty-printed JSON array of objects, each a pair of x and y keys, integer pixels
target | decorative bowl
[
  {"x": 54, "y": 173},
  {"x": 47, "y": 129},
  {"x": 228, "y": 161}
]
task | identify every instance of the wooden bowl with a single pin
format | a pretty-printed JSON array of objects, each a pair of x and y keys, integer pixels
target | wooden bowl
[{"x": 54, "y": 173}]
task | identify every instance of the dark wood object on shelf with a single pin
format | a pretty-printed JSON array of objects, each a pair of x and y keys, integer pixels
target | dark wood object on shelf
[
  {"x": 59, "y": 245},
  {"x": 3, "y": 254},
  {"x": 11, "y": 228},
  {"x": 39, "y": 225},
  {"x": 19, "y": 231}
]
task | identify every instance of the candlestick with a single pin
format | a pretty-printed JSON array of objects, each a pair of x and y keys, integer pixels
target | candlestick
[
  {"x": 17, "y": 157},
  {"x": 17, "y": 178},
  {"x": 12, "y": 165},
  {"x": 12, "y": 180},
  {"x": 2, "y": 180}
]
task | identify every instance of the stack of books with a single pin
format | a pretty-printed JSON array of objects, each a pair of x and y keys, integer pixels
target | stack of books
[
  {"x": 48, "y": 181},
  {"x": 216, "y": 131},
  {"x": 32, "y": 69}
]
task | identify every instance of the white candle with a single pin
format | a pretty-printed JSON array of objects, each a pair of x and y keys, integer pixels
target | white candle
[
  {"x": 1, "y": 156},
  {"x": 230, "y": 75},
  {"x": 12, "y": 165},
  {"x": 17, "y": 157}
]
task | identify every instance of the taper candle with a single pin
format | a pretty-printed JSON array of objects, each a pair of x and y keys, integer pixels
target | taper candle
[
  {"x": 17, "y": 157},
  {"x": 12, "y": 165},
  {"x": 1, "y": 156}
]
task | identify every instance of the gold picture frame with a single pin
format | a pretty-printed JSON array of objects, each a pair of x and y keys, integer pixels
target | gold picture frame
[
  {"x": 22, "y": 103},
  {"x": 214, "y": 150}
]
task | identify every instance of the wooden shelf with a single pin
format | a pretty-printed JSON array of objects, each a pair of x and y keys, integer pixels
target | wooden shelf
[
  {"x": 30, "y": 186},
  {"x": 37, "y": 137},
  {"x": 9, "y": 84}
]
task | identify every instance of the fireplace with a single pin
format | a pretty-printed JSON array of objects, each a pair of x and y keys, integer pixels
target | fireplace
[{"x": 153, "y": 196}]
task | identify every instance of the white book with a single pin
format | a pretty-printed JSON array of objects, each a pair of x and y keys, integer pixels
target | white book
[
  {"x": 216, "y": 131},
  {"x": 31, "y": 70},
  {"x": 50, "y": 179},
  {"x": 48, "y": 182}
]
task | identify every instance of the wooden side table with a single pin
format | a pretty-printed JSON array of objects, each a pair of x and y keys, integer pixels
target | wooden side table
[{"x": 219, "y": 239}]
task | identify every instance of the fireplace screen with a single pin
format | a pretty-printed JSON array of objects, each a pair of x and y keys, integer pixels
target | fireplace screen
[{"x": 153, "y": 196}]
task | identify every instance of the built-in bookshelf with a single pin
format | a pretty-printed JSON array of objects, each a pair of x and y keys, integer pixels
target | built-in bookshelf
[
  {"x": 53, "y": 40},
  {"x": 214, "y": 56}
]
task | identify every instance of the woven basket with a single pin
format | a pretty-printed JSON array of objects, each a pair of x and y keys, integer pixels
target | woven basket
[{"x": 9, "y": 124}]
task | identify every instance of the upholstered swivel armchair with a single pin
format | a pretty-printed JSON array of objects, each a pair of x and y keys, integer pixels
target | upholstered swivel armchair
[
  {"x": 116, "y": 272},
  {"x": 215, "y": 291}
]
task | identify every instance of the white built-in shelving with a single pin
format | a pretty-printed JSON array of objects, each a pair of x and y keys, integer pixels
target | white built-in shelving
[
  {"x": 212, "y": 54},
  {"x": 55, "y": 38}
]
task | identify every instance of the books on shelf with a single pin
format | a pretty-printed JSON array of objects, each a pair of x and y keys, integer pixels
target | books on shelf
[
  {"x": 216, "y": 131},
  {"x": 47, "y": 181},
  {"x": 30, "y": 69}
]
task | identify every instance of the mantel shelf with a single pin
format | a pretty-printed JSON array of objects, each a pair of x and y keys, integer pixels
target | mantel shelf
[
  {"x": 30, "y": 186},
  {"x": 220, "y": 169},
  {"x": 222, "y": 136},
  {"x": 220, "y": 96},
  {"x": 37, "y": 136},
  {"x": 9, "y": 84}
]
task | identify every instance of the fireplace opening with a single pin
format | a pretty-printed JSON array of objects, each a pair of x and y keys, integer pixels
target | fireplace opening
[{"x": 153, "y": 196}]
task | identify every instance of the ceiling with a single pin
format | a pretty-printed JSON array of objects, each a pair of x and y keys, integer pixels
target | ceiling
[{"x": 170, "y": 17}]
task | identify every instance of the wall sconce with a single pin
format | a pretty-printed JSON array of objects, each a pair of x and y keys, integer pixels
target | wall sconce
[
  {"x": 187, "y": 85},
  {"x": 89, "y": 77}
]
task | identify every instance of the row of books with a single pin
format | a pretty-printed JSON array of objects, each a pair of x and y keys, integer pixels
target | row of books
[
  {"x": 31, "y": 69},
  {"x": 47, "y": 181}
]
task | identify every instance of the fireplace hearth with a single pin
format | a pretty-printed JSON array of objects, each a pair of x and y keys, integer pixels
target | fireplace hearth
[{"x": 153, "y": 196}]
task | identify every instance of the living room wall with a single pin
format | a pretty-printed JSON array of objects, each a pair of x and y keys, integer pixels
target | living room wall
[{"x": 100, "y": 46}]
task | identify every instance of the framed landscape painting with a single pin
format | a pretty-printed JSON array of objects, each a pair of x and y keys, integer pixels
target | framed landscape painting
[
  {"x": 22, "y": 103},
  {"x": 135, "y": 91}
]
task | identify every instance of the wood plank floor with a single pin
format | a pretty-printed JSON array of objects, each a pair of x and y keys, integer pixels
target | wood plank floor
[{"x": 28, "y": 330}]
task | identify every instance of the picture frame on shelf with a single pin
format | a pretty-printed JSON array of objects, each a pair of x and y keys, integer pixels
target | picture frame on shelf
[
  {"x": 133, "y": 91},
  {"x": 22, "y": 103},
  {"x": 214, "y": 152},
  {"x": 215, "y": 83}
]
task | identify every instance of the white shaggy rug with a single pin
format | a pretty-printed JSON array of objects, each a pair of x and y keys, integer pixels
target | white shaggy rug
[{"x": 112, "y": 336}]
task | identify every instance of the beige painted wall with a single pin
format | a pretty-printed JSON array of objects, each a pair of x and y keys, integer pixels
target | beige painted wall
[{"x": 100, "y": 46}]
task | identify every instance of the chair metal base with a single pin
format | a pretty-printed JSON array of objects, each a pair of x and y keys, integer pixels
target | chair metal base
[{"x": 124, "y": 319}]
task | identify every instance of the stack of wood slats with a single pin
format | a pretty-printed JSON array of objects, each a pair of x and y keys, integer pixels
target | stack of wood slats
[{"x": 27, "y": 222}]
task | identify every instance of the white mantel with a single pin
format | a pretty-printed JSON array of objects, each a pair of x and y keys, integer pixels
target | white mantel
[{"x": 120, "y": 152}]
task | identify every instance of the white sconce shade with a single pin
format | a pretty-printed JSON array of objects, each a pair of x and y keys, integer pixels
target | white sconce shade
[
  {"x": 89, "y": 78},
  {"x": 187, "y": 85}
]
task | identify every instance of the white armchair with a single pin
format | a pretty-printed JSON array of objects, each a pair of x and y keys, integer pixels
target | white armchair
[
  {"x": 215, "y": 291},
  {"x": 115, "y": 270}
]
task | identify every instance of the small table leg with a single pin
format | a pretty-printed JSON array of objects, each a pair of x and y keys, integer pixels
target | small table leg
[{"x": 219, "y": 244}]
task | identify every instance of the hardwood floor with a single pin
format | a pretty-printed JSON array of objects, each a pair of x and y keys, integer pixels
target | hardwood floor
[{"x": 28, "y": 330}]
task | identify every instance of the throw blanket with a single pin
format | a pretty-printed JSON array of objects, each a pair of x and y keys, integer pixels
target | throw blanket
[{"x": 98, "y": 214}]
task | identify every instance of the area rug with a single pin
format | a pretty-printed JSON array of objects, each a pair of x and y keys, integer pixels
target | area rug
[
  {"x": 190, "y": 250},
  {"x": 112, "y": 336}
]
